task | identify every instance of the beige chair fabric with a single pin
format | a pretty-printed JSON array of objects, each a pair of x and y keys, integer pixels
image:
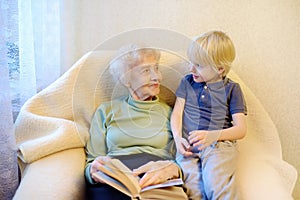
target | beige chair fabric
[{"x": 52, "y": 129}]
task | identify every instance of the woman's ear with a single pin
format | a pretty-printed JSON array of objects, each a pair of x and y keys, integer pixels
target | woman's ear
[
  {"x": 125, "y": 81},
  {"x": 127, "y": 84}
]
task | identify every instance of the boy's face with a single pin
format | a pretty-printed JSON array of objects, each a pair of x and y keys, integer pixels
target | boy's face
[{"x": 206, "y": 74}]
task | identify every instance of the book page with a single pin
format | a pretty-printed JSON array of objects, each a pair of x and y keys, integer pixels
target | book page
[
  {"x": 125, "y": 169},
  {"x": 117, "y": 170},
  {"x": 168, "y": 183},
  {"x": 171, "y": 192},
  {"x": 112, "y": 182},
  {"x": 132, "y": 182},
  {"x": 118, "y": 175}
]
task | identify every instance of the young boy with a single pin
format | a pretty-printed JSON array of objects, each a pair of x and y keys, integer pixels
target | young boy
[{"x": 208, "y": 118}]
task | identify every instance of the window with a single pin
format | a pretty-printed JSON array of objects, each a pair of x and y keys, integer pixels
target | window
[{"x": 31, "y": 31}]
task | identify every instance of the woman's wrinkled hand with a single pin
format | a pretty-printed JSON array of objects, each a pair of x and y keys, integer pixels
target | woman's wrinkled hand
[
  {"x": 99, "y": 161},
  {"x": 157, "y": 172}
]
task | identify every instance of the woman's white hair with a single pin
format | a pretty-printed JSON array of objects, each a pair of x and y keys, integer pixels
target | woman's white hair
[{"x": 129, "y": 56}]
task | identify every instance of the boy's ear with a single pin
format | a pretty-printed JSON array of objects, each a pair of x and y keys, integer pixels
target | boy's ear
[{"x": 221, "y": 70}]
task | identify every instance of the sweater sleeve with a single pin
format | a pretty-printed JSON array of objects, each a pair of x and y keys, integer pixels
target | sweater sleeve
[{"x": 96, "y": 145}]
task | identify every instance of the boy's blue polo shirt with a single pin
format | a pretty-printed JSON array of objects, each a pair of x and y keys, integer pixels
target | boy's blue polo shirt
[{"x": 210, "y": 106}]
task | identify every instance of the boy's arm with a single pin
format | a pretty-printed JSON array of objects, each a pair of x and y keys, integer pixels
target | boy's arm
[
  {"x": 176, "y": 117},
  {"x": 237, "y": 131},
  {"x": 202, "y": 139},
  {"x": 176, "y": 125}
]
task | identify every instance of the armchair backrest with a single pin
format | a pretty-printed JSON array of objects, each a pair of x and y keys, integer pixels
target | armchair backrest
[
  {"x": 66, "y": 107},
  {"x": 94, "y": 83}
]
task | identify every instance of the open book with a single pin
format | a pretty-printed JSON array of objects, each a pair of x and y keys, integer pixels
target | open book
[{"x": 119, "y": 176}]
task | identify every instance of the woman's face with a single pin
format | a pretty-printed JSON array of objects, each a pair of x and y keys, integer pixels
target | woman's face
[{"x": 144, "y": 79}]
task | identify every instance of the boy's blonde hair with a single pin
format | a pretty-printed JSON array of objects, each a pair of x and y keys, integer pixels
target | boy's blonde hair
[{"x": 213, "y": 49}]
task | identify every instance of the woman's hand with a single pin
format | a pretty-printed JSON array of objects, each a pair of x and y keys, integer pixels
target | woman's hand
[
  {"x": 202, "y": 139},
  {"x": 100, "y": 160},
  {"x": 157, "y": 172}
]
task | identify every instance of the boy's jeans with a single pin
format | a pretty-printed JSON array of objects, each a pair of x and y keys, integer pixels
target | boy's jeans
[{"x": 210, "y": 174}]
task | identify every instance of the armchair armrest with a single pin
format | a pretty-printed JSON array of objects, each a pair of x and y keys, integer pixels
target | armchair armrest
[
  {"x": 261, "y": 176},
  {"x": 57, "y": 176}
]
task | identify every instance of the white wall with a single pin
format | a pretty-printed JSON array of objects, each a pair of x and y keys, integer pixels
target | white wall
[{"x": 266, "y": 34}]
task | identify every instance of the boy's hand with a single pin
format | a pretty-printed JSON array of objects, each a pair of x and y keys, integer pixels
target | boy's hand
[
  {"x": 202, "y": 139},
  {"x": 183, "y": 147}
]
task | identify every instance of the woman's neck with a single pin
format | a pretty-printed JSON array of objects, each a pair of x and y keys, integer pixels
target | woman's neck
[{"x": 145, "y": 98}]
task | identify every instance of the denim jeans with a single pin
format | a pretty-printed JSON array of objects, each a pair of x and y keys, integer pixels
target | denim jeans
[{"x": 210, "y": 174}]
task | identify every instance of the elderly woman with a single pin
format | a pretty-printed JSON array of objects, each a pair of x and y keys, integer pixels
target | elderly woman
[{"x": 135, "y": 126}]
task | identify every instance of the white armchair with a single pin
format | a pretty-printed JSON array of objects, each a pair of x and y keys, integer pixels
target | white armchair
[{"x": 52, "y": 129}]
